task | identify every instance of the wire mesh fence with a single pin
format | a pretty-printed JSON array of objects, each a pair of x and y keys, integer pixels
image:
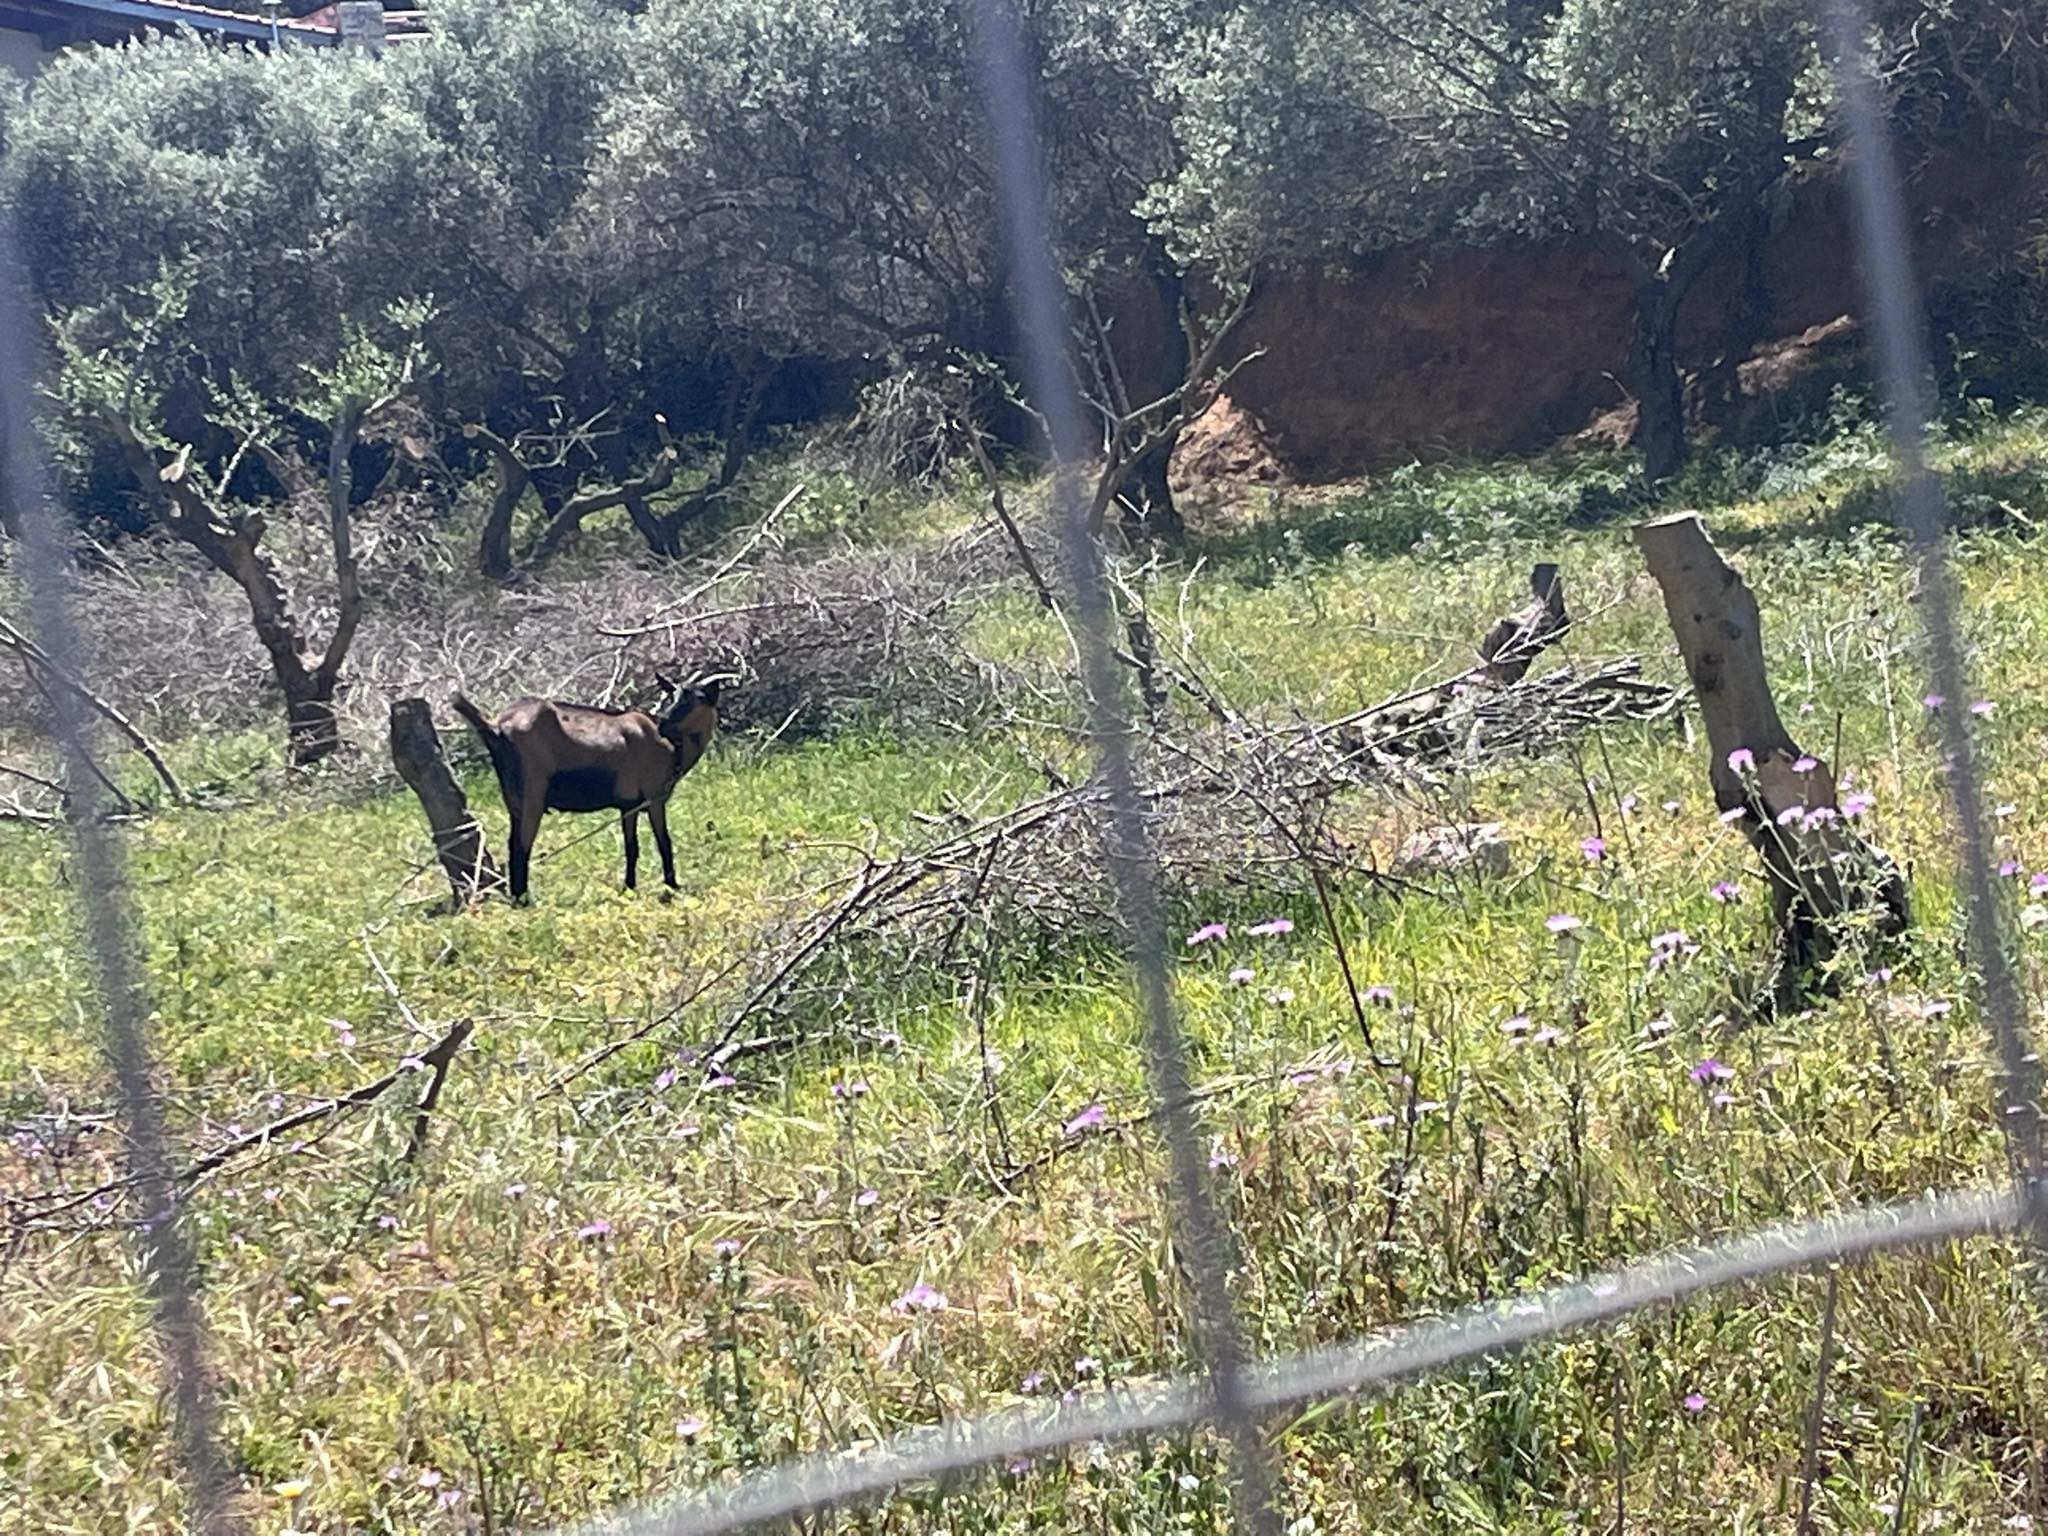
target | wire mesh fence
[{"x": 1232, "y": 1394}]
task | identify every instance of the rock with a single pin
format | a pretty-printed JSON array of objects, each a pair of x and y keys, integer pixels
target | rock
[{"x": 1481, "y": 847}]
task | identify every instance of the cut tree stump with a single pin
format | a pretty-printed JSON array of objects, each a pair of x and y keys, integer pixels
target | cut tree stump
[
  {"x": 1516, "y": 640},
  {"x": 1821, "y": 870},
  {"x": 458, "y": 838}
]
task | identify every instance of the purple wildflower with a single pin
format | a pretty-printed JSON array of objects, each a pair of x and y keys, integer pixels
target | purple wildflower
[
  {"x": 2009, "y": 868},
  {"x": 1518, "y": 1025},
  {"x": 1562, "y": 922},
  {"x": 1660, "y": 1025},
  {"x": 1741, "y": 760},
  {"x": 921, "y": 1298},
  {"x": 593, "y": 1229},
  {"x": 1628, "y": 805},
  {"x": 690, "y": 1428},
  {"x": 1857, "y": 804},
  {"x": 1726, "y": 891},
  {"x": 1208, "y": 931},
  {"x": 1733, "y": 814},
  {"x": 1032, "y": 1382},
  {"x": 1805, "y": 763},
  {"x": 1934, "y": 701},
  {"x": 726, "y": 1247},
  {"x": 866, "y": 1198},
  {"x": 663, "y": 1079},
  {"x": 2038, "y": 885},
  {"x": 1549, "y": 1034},
  {"x": 1694, "y": 1402},
  {"x": 723, "y": 1080},
  {"x": 1594, "y": 848},
  {"x": 1936, "y": 1009},
  {"x": 1384, "y": 996},
  {"x": 1712, "y": 1070},
  {"x": 1241, "y": 976},
  {"x": 1271, "y": 928},
  {"x": 1982, "y": 708},
  {"x": 1089, "y": 1119}
]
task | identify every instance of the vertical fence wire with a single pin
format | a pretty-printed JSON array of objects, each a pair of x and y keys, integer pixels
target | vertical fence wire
[
  {"x": 163, "y": 1247},
  {"x": 1898, "y": 331},
  {"x": 1041, "y": 311}
]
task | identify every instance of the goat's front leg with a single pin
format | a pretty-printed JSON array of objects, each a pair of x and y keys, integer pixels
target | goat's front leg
[
  {"x": 657, "y": 817},
  {"x": 629, "y": 823}
]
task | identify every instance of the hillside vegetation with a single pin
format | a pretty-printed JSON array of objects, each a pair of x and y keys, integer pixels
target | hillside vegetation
[{"x": 610, "y": 1275}]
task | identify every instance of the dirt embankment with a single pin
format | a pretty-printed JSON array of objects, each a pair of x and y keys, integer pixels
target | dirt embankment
[{"x": 1442, "y": 353}]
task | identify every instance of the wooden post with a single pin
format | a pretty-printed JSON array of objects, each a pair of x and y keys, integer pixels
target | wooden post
[
  {"x": 1819, "y": 868},
  {"x": 458, "y": 839}
]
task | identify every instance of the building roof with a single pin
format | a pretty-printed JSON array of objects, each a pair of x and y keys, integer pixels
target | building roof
[{"x": 104, "y": 20}]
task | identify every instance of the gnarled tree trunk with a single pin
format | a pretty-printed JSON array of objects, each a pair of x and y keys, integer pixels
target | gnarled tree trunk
[
  {"x": 458, "y": 838},
  {"x": 1821, "y": 871}
]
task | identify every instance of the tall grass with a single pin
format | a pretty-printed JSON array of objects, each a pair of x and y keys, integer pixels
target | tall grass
[{"x": 631, "y": 1281}]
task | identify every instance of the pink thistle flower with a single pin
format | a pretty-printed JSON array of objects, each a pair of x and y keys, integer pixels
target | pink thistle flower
[
  {"x": 1733, "y": 814},
  {"x": 1857, "y": 804},
  {"x": 1548, "y": 1035},
  {"x": 1384, "y": 996},
  {"x": 1983, "y": 708},
  {"x": 1563, "y": 922},
  {"x": 430, "y": 1478},
  {"x": 1594, "y": 848},
  {"x": 1726, "y": 891},
  {"x": 2038, "y": 885},
  {"x": 726, "y": 1247},
  {"x": 1741, "y": 760},
  {"x": 921, "y": 1298},
  {"x": 1090, "y": 1119},
  {"x": 1934, "y": 701},
  {"x": 1271, "y": 928},
  {"x": 1518, "y": 1025},
  {"x": 1805, "y": 763},
  {"x": 723, "y": 1080},
  {"x": 1711, "y": 1071},
  {"x": 593, "y": 1229},
  {"x": 689, "y": 1428},
  {"x": 1208, "y": 931},
  {"x": 867, "y": 1197},
  {"x": 1241, "y": 976},
  {"x": 1694, "y": 1402}
]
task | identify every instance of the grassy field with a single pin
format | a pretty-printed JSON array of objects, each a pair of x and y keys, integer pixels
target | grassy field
[{"x": 604, "y": 1285}]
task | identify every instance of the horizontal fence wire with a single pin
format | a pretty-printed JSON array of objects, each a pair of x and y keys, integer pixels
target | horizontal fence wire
[{"x": 840, "y": 1478}]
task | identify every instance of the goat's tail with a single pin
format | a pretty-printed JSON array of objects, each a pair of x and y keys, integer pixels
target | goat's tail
[{"x": 504, "y": 758}]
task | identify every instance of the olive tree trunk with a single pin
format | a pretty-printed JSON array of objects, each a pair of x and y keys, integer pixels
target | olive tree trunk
[
  {"x": 458, "y": 838},
  {"x": 1821, "y": 871}
]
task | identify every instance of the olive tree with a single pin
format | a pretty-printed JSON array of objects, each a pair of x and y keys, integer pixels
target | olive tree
[{"x": 292, "y": 469}]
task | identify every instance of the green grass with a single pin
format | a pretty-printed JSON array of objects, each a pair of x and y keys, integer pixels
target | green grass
[{"x": 375, "y": 1326}]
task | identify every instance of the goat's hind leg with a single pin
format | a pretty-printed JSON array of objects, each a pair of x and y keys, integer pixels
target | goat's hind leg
[
  {"x": 629, "y": 823},
  {"x": 525, "y": 828}
]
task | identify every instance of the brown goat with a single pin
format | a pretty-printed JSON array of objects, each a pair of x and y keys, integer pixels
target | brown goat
[{"x": 576, "y": 757}]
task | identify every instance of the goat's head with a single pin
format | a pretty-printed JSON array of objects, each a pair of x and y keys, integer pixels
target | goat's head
[{"x": 690, "y": 715}]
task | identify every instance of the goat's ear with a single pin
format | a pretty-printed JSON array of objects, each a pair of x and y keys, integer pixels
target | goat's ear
[
  {"x": 668, "y": 684},
  {"x": 709, "y": 691}
]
